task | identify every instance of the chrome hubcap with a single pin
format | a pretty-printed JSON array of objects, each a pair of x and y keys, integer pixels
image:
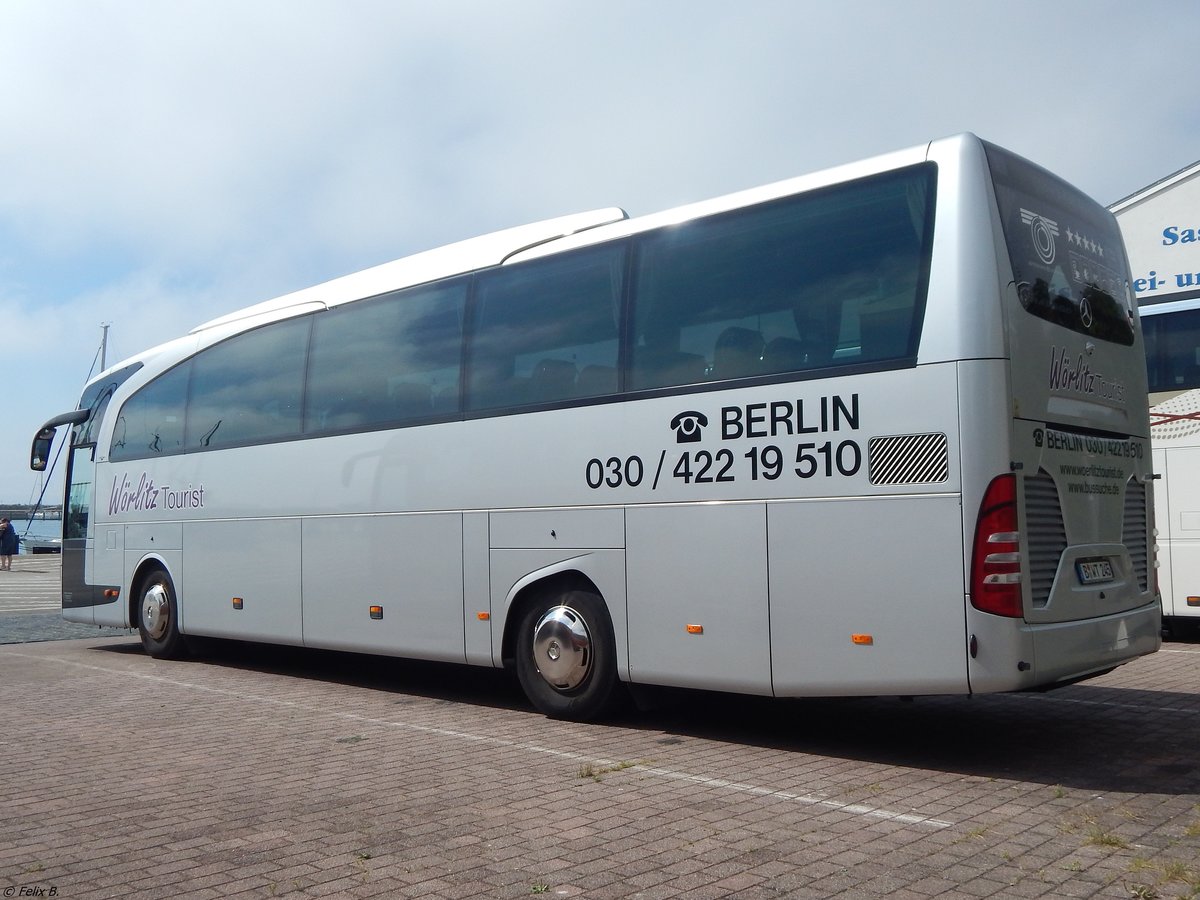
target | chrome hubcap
[
  {"x": 562, "y": 648},
  {"x": 156, "y": 611}
]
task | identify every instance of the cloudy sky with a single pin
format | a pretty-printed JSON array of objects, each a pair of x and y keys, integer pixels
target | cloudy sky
[{"x": 166, "y": 161}]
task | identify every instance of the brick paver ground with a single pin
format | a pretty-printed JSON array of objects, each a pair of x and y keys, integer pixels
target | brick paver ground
[
  {"x": 30, "y": 603},
  {"x": 268, "y": 772}
]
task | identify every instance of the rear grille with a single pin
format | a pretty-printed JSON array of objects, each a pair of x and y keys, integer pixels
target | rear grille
[
  {"x": 1134, "y": 530},
  {"x": 1046, "y": 535}
]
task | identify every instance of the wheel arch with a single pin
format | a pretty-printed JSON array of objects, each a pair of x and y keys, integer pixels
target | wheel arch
[
  {"x": 533, "y": 588},
  {"x": 145, "y": 568}
]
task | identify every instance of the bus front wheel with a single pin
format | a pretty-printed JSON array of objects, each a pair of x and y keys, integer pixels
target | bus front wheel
[
  {"x": 566, "y": 656},
  {"x": 158, "y": 617}
]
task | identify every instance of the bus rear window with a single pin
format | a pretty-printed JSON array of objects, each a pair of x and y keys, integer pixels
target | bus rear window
[{"x": 1066, "y": 251}]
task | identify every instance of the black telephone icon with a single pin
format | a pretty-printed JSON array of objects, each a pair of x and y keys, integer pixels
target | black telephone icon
[{"x": 687, "y": 426}]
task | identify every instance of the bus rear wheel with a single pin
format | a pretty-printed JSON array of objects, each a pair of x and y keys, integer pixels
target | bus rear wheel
[
  {"x": 566, "y": 656},
  {"x": 158, "y": 617}
]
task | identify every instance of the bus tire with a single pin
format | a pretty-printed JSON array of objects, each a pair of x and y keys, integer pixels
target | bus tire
[
  {"x": 158, "y": 617},
  {"x": 566, "y": 656}
]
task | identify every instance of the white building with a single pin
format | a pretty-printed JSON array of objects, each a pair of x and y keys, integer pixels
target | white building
[{"x": 1161, "y": 226}]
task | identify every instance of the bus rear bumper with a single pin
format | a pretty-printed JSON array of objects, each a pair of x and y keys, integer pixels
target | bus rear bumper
[
  {"x": 1038, "y": 656},
  {"x": 1068, "y": 651}
]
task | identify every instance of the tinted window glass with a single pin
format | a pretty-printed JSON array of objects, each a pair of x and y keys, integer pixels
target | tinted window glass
[
  {"x": 96, "y": 398},
  {"x": 824, "y": 279},
  {"x": 80, "y": 493},
  {"x": 151, "y": 421},
  {"x": 546, "y": 331},
  {"x": 247, "y": 389},
  {"x": 388, "y": 360},
  {"x": 1066, "y": 250},
  {"x": 1172, "y": 350}
]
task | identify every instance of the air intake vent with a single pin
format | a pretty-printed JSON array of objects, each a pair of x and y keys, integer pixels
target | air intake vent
[
  {"x": 1047, "y": 536},
  {"x": 908, "y": 459},
  {"x": 1135, "y": 531}
]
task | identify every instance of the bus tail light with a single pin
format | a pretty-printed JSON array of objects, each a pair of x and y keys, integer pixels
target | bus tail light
[{"x": 996, "y": 554}]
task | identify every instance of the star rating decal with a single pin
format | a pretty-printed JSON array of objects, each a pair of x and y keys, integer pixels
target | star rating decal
[{"x": 1085, "y": 243}]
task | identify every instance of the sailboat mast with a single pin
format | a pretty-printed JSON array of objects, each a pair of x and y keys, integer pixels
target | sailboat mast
[{"x": 104, "y": 346}]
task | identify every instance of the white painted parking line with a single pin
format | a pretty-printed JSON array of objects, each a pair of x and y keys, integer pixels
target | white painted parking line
[{"x": 806, "y": 799}]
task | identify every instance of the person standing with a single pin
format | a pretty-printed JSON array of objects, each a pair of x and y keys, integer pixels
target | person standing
[{"x": 8, "y": 545}]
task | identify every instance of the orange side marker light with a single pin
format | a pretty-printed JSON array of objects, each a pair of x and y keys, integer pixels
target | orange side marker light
[
  {"x": 862, "y": 639},
  {"x": 695, "y": 629}
]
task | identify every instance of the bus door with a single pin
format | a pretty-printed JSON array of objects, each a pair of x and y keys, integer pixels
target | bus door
[{"x": 77, "y": 545}]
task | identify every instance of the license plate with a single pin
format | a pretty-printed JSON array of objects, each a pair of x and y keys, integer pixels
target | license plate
[{"x": 1094, "y": 571}]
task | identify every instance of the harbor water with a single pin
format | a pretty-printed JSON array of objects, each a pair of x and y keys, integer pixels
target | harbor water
[{"x": 37, "y": 528}]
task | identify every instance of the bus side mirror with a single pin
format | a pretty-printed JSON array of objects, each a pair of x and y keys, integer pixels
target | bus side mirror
[{"x": 40, "y": 454}]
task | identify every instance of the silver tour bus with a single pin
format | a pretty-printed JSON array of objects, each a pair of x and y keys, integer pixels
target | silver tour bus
[{"x": 876, "y": 430}]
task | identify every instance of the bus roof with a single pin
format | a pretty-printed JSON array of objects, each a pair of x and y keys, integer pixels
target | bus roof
[
  {"x": 528, "y": 242},
  {"x": 440, "y": 262},
  {"x": 548, "y": 236}
]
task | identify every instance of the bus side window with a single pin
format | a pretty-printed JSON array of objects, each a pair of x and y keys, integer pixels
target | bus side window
[
  {"x": 784, "y": 354},
  {"x": 248, "y": 388},
  {"x": 738, "y": 353},
  {"x": 596, "y": 380},
  {"x": 540, "y": 323},
  {"x": 151, "y": 421},
  {"x": 788, "y": 286},
  {"x": 661, "y": 364},
  {"x": 552, "y": 379},
  {"x": 386, "y": 361}
]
